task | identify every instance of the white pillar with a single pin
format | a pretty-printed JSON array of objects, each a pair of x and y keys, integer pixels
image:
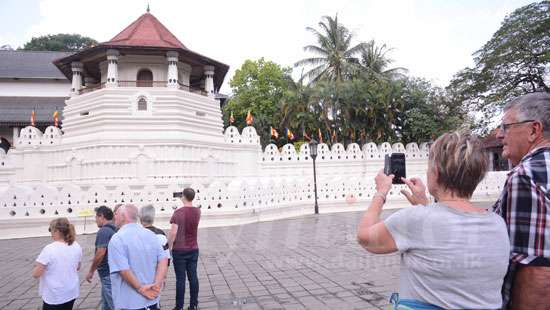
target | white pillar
[
  {"x": 172, "y": 58},
  {"x": 209, "y": 80},
  {"x": 77, "y": 77},
  {"x": 112, "y": 68},
  {"x": 15, "y": 135}
]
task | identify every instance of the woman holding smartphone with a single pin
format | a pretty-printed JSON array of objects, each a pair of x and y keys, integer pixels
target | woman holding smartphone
[{"x": 454, "y": 255}]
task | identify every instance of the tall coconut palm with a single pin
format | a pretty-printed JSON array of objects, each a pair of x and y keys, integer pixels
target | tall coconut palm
[
  {"x": 335, "y": 58},
  {"x": 375, "y": 62}
]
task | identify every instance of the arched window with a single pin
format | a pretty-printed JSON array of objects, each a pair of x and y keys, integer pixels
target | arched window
[
  {"x": 142, "y": 104},
  {"x": 144, "y": 78}
]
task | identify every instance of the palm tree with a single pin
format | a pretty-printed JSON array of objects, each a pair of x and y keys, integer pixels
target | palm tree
[
  {"x": 335, "y": 59},
  {"x": 374, "y": 62}
]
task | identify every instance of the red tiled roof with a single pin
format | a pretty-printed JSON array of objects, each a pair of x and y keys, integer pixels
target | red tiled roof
[{"x": 147, "y": 30}]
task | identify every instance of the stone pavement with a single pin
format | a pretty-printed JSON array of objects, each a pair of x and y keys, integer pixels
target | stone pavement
[{"x": 311, "y": 262}]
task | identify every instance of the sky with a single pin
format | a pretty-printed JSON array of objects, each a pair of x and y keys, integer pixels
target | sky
[{"x": 433, "y": 39}]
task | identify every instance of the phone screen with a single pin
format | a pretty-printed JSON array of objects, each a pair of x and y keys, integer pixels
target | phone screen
[
  {"x": 395, "y": 164},
  {"x": 398, "y": 168}
]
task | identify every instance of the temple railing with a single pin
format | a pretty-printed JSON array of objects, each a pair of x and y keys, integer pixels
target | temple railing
[{"x": 141, "y": 83}]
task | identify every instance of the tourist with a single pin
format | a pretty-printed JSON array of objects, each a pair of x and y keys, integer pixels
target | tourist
[
  {"x": 454, "y": 255},
  {"x": 147, "y": 218},
  {"x": 524, "y": 203},
  {"x": 103, "y": 219},
  {"x": 137, "y": 262},
  {"x": 57, "y": 267},
  {"x": 182, "y": 239},
  {"x": 115, "y": 208}
]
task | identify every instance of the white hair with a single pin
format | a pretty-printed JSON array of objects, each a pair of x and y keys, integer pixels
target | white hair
[
  {"x": 147, "y": 214},
  {"x": 130, "y": 211},
  {"x": 533, "y": 106}
]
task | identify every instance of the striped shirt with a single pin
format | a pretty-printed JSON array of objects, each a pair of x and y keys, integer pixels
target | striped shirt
[{"x": 524, "y": 204}]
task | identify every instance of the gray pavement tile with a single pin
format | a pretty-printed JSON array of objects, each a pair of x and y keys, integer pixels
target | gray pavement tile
[{"x": 268, "y": 265}]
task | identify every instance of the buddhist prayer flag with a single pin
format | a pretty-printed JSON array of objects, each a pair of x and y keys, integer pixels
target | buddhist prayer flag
[
  {"x": 320, "y": 135},
  {"x": 289, "y": 134},
  {"x": 352, "y": 134},
  {"x": 33, "y": 117},
  {"x": 274, "y": 133},
  {"x": 56, "y": 118},
  {"x": 231, "y": 118},
  {"x": 249, "y": 118},
  {"x": 305, "y": 135}
]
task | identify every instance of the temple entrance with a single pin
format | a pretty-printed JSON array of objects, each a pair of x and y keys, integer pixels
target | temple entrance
[{"x": 144, "y": 78}]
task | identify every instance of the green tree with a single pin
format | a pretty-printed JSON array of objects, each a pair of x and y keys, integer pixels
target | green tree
[
  {"x": 336, "y": 59},
  {"x": 260, "y": 87},
  {"x": 297, "y": 109},
  {"x": 428, "y": 112},
  {"x": 375, "y": 62},
  {"x": 513, "y": 62},
  {"x": 61, "y": 42}
]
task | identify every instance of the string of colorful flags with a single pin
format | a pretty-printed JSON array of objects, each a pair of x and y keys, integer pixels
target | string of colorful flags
[{"x": 290, "y": 136}]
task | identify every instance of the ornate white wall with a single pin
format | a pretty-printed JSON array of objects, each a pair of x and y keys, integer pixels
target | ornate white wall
[{"x": 236, "y": 181}]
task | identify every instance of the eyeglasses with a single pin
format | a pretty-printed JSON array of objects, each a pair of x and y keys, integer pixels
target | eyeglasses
[{"x": 504, "y": 127}]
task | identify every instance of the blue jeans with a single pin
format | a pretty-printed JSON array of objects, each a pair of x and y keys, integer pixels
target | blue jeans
[
  {"x": 106, "y": 293},
  {"x": 185, "y": 263},
  {"x": 410, "y": 304}
]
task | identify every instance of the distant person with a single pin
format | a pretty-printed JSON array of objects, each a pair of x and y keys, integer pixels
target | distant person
[
  {"x": 182, "y": 239},
  {"x": 147, "y": 218},
  {"x": 57, "y": 267},
  {"x": 103, "y": 219},
  {"x": 454, "y": 255},
  {"x": 524, "y": 203},
  {"x": 137, "y": 262},
  {"x": 115, "y": 208}
]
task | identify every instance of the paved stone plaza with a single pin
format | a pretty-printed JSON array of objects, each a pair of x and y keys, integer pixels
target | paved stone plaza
[{"x": 311, "y": 262}]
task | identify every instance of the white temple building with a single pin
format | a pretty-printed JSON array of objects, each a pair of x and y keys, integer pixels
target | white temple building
[{"x": 142, "y": 122}]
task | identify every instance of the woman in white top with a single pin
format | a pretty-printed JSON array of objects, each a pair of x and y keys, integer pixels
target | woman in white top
[
  {"x": 57, "y": 267},
  {"x": 454, "y": 255}
]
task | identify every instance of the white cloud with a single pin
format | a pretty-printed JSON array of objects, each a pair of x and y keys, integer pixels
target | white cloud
[{"x": 431, "y": 39}]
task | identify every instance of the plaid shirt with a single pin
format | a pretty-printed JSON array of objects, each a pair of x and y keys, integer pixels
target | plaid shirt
[{"x": 525, "y": 207}]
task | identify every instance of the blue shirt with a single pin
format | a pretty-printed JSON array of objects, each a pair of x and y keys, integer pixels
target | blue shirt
[
  {"x": 104, "y": 235},
  {"x": 137, "y": 249}
]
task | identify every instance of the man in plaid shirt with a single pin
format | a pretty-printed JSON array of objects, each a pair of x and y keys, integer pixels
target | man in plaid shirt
[{"x": 525, "y": 201}]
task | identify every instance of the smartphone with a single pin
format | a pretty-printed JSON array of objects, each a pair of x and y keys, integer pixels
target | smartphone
[
  {"x": 177, "y": 194},
  {"x": 395, "y": 164}
]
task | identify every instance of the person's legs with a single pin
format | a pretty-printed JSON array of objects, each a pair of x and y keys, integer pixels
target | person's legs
[
  {"x": 66, "y": 306},
  {"x": 46, "y": 306},
  {"x": 193, "y": 279},
  {"x": 106, "y": 293},
  {"x": 180, "y": 269},
  {"x": 530, "y": 288}
]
